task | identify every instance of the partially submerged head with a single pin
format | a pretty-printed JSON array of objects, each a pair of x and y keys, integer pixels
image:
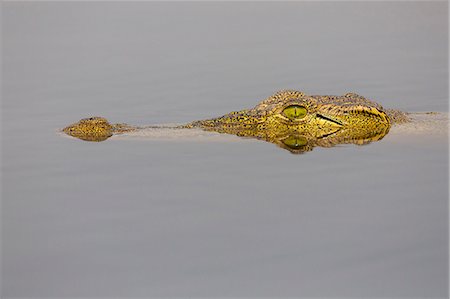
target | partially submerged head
[
  {"x": 294, "y": 111},
  {"x": 298, "y": 122},
  {"x": 90, "y": 129}
]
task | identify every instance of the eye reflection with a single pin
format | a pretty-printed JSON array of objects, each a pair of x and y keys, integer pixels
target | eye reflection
[
  {"x": 295, "y": 142},
  {"x": 295, "y": 112}
]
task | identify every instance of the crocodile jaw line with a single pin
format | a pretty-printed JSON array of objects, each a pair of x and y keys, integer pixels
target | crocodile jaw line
[{"x": 329, "y": 120}]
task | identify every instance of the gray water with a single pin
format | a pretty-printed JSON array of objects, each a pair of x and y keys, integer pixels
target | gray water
[{"x": 227, "y": 217}]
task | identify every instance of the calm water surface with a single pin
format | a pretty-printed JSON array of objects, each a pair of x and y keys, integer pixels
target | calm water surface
[{"x": 200, "y": 217}]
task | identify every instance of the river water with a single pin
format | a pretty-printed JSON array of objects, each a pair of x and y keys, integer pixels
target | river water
[{"x": 221, "y": 216}]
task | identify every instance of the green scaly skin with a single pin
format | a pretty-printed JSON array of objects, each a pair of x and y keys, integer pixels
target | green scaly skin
[{"x": 290, "y": 119}]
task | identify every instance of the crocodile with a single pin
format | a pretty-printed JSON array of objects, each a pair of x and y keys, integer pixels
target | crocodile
[{"x": 291, "y": 119}]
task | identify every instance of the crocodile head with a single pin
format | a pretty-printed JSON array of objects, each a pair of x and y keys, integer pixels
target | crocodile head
[
  {"x": 293, "y": 110},
  {"x": 289, "y": 114}
]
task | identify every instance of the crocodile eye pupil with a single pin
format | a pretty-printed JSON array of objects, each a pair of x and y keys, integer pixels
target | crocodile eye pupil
[{"x": 294, "y": 112}]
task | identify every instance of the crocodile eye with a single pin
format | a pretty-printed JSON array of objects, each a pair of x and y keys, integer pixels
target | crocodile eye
[{"x": 295, "y": 112}]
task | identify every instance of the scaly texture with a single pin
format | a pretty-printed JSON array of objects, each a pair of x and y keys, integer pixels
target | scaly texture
[
  {"x": 324, "y": 114},
  {"x": 96, "y": 129},
  {"x": 288, "y": 118}
]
